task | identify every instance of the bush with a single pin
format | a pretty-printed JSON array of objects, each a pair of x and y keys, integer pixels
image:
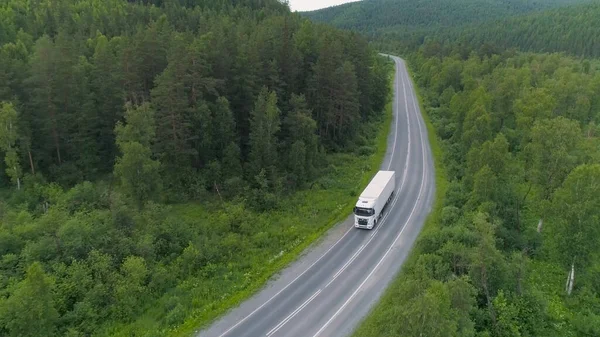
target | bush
[{"x": 365, "y": 151}]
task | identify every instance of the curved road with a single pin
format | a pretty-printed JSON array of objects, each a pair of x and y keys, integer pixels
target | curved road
[{"x": 331, "y": 289}]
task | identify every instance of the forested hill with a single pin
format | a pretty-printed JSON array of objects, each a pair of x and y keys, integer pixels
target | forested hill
[
  {"x": 521, "y": 153},
  {"x": 573, "y": 30},
  {"x": 160, "y": 159},
  {"x": 377, "y": 16},
  {"x": 68, "y": 68}
]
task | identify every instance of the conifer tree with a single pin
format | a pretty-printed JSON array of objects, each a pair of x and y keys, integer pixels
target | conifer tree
[{"x": 264, "y": 126}]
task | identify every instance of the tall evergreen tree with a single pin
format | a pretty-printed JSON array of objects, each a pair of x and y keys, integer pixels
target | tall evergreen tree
[
  {"x": 137, "y": 172},
  {"x": 345, "y": 114},
  {"x": 264, "y": 126},
  {"x": 108, "y": 94},
  {"x": 324, "y": 84},
  {"x": 300, "y": 140},
  {"x": 223, "y": 119},
  {"x": 173, "y": 119},
  {"x": 8, "y": 141}
]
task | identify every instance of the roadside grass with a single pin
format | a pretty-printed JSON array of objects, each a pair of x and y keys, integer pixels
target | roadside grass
[
  {"x": 244, "y": 260},
  {"x": 382, "y": 313}
]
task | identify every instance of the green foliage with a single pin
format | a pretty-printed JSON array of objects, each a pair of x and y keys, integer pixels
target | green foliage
[
  {"x": 558, "y": 30},
  {"x": 444, "y": 26},
  {"x": 8, "y": 141},
  {"x": 574, "y": 210},
  {"x": 513, "y": 130},
  {"x": 264, "y": 126},
  {"x": 29, "y": 310},
  {"x": 120, "y": 270},
  {"x": 166, "y": 142},
  {"x": 165, "y": 105},
  {"x": 137, "y": 172},
  {"x": 69, "y": 69},
  {"x": 402, "y": 15}
]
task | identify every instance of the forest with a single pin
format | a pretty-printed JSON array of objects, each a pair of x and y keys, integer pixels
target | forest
[
  {"x": 403, "y": 26},
  {"x": 148, "y": 148},
  {"x": 401, "y": 17},
  {"x": 571, "y": 30},
  {"x": 512, "y": 249}
]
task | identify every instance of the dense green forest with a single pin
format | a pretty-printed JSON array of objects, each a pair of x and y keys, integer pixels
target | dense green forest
[
  {"x": 403, "y": 26},
  {"x": 379, "y": 16},
  {"x": 150, "y": 148},
  {"x": 518, "y": 131},
  {"x": 572, "y": 30},
  {"x": 520, "y": 142}
]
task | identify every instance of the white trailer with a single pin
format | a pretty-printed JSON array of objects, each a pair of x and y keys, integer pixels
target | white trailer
[{"x": 374, "y": 199}]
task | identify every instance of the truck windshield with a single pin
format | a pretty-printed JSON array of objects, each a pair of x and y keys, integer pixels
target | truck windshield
[{"x": 363, "y": 211}]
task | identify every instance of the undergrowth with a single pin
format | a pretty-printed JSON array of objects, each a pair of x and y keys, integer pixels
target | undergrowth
[{"x": 262, "y": 244}]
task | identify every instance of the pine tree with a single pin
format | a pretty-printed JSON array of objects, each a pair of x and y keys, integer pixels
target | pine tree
[
  {"x": 8, "y": 141},
  {"x": 224, "y": 120},
  {"x": 243, "y": 88},
  {"x": 324, "y": 85},
  {"x": 264, "y": 126},
  {"x": 44, "y": 100},
  {"x": 137, "y": 172},
  {"x": 232, "y": 166},
  {"x": 108, "y": 94},
  {"x": 205, "y": 131},
  {"x": 345, "y": 114},
  {"x": 300, "y": 140},
  {"x": 173, "y": 119}
]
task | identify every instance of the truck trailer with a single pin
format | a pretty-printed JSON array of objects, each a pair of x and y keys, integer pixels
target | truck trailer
[{"x": 374, "y": 199}]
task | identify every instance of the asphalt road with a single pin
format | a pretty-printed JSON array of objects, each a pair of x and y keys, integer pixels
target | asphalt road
[{"x": 330, "y": 289}]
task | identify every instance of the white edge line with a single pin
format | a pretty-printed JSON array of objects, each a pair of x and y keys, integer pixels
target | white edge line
[
  {"x": 404, "y": 174},
  {"x": 287, "y": 319},
  {"x": 284, "y": 288},
  {"x": 295, "y": 312},
  {"x": 423, "y": 178},
  {"x": 346, "y": 265},
  {"x": 396, "y": 116},
  {"x": 348, "y": 231}
]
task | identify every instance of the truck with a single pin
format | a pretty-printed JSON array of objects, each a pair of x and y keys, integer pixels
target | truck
[{"x": 374, "y": 199}]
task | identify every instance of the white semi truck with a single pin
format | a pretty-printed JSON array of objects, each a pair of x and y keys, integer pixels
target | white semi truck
[{"x": 374, "y": 199}]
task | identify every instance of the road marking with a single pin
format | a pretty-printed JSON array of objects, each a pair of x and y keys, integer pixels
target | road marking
[
  {"x": 351, "y": 228},
  {"x": 396, "y": 116},
  {"x": 346, "y": 265},
  {"x": 287, "y": 319},
  {"x": 391, "y": 206},
  {"x": 423, "y": 178},
  {"x": 399, "y": 76},
  {"x": 284, "y": 288},
  {"x": 386, "y": 215}
]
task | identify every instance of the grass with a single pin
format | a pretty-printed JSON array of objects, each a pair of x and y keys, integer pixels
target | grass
[
  {"x": 338, "y": 210},
  {"x": 269, "y": 242},
  {"x": 379, "y": 314}
]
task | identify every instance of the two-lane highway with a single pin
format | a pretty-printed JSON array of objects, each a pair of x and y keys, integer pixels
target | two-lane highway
[{"x": 331, "y": 289}]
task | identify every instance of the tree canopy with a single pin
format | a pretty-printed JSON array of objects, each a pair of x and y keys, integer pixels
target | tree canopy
[
  {"x": 157, "y": 157},
  {"x": 521, "y": 148}
]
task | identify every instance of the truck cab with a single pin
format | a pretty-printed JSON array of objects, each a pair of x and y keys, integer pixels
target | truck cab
[{"x": 364, "y": 214}]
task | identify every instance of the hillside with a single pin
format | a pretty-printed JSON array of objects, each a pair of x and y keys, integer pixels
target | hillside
[
  {"x": 572, "y": 30},
  {"x": 159, "y": 160},
  {"x": 519, "y": 172},
  {"x": 521, "y": 156},
  {"x": 379, "y": 16}
]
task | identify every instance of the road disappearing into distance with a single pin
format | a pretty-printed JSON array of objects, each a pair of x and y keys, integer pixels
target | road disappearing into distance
[{"x": 333, "y": 286}]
